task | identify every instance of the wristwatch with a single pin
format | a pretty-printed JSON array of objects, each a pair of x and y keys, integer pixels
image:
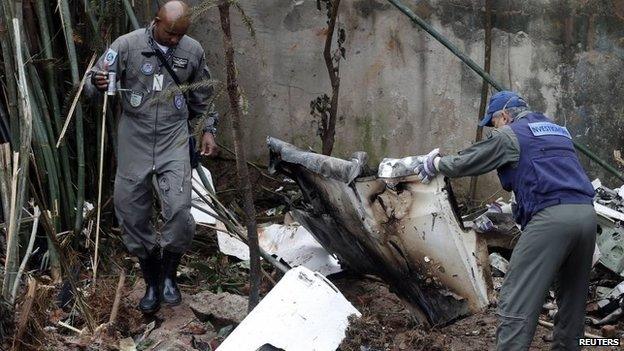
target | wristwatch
[{"x": 210, "y": 129}]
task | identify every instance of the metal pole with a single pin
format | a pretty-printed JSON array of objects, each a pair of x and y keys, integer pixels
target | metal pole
[
  {"x": 439, "y": 37},
  {"x": 475, "y": 67},
  {"x": 582, "y": 148}
]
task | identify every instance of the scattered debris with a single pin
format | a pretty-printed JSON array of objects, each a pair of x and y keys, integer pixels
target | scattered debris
[
  {"x": 611, "y": 306},
  {"x": 305, "y": 311},
  {"x": 551, "y": 326},
  {"x": 609, "y": 206},
  {"x": 230, "y": 245},
  {"x": 200, "y": 210},
  {"x": 499, "y": 263},
  {"x": 295, "y": 245},
  {"x": 291, "y": 243},
  {"x": 387, "y": 227},
  {"x": 495, "y": 224}
]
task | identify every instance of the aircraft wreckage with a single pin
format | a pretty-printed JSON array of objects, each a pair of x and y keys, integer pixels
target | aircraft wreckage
[{"x": 407, "y": 233}]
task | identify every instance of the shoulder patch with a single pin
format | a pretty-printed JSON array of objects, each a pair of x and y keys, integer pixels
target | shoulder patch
[
  {"x": 547, "y": 128},
  {"x": 110, "y": 57}
]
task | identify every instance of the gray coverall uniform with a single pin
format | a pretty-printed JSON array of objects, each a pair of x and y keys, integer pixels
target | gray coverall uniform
[
  {"x": 556, "y": 246},
  {"x": 153, "y": 137}
]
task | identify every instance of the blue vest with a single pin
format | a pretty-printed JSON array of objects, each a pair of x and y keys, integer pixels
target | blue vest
[{"x": 548, "y": 172}]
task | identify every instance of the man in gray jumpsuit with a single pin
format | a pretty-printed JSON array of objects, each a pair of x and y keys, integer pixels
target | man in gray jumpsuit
[
  {"x": 153, "y": 140},
  {"x": 535, "y": 159}
]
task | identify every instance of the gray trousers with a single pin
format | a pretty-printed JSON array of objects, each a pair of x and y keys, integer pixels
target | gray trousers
[
  {"x": 556, "y": 246},
  {"x": 133, "y": 205}
]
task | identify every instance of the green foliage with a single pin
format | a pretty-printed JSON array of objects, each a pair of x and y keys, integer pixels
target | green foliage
[
  {"x": 319, "y": 109},
  {"x": 221, "y": 275}
]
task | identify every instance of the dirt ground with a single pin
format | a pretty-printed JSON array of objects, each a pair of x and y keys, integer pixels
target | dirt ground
[{"x": 386, "y": 323}]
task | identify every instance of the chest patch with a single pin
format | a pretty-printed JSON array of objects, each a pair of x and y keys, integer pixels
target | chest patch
[
  {"x": 147, "y": 68},
  {"x": 547, "y": 128},
  {"x": 179, "y": 62},
  {"x": 136, "y": 99},
  {"x": 178, "y": 101}
]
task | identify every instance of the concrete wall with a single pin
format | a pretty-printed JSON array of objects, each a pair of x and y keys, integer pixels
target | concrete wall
[{"x": 403, "y": 93}]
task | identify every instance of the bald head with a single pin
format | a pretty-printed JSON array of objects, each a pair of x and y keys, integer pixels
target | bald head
[
  {"x": 171, "y": 22},
  {"x": 173, "y": 11}
]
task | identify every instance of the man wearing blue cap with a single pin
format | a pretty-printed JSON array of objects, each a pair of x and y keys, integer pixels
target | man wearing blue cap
[{"x": 535, "y": 159}]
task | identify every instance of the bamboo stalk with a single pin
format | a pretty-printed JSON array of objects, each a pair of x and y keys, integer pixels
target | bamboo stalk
[
  {"x": 42, "y": 136},
  {"x": 99, "y": 200},
  {"x": 92, "y": 20},
  {"x": 63, "y": 324},
  {"x": 29, "y": 250},
  {"x": 5, "y": 172},
  {"x": 25, "y": 312},
  {"x": 43, "y": 139},
  {"x": 11, "y": 251},
  {"x": 42, "y": 13},
  {"x": 24, "y": 154},
  {"x": 75, "y": 101},
  {"x": 73, "y": 60},
  {"x": 65, "y": 263},
  {"x": 120, "y": 285},
  {"x": 131, "y": 15},
  {"x": 6, "y": 41}
]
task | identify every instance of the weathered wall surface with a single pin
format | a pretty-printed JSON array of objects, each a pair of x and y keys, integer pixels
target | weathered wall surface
[{"x": 403, "y": 93}]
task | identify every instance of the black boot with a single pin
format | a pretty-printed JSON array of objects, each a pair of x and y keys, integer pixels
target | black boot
[
  {"x": 150, "y": 267},
  {"x": 171, "y": 293}
]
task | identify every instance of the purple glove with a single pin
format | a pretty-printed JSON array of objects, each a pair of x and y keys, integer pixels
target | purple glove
[{"x": 427, "y": 170}]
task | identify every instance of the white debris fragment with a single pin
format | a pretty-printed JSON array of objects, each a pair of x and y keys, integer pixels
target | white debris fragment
[
  {"x": 597, "y": 254},
  {"x": 230, "y": 245},
  {"x": 86, "y": 208},
  {"x": 304, "y": 311},
  {"x": 607, "y": 212},
  {"x": 499, "y": 262},
  {"x": 596, "y": 183},
  {"x": 198, "y": 215},
  {"x": 398, "y": 167},
  {"x": 291, "y": 243}
]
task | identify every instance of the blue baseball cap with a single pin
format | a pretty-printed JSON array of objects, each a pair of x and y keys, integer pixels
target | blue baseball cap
[{"x": 500, "y": 101}]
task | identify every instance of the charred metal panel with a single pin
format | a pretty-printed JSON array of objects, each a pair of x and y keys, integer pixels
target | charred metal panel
[{"x": 408, "y": 234}]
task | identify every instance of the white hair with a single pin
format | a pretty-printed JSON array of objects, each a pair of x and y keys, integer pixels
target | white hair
[{"x": 513, "y": 111}]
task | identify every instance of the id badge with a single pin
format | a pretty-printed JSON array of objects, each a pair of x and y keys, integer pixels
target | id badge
[{"x": 158, "y": 82}]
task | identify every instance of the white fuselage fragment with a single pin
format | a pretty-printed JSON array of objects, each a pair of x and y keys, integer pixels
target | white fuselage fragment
[
  {"x": 304, "y": 311},
  {"x": 431, "y": 237}
]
